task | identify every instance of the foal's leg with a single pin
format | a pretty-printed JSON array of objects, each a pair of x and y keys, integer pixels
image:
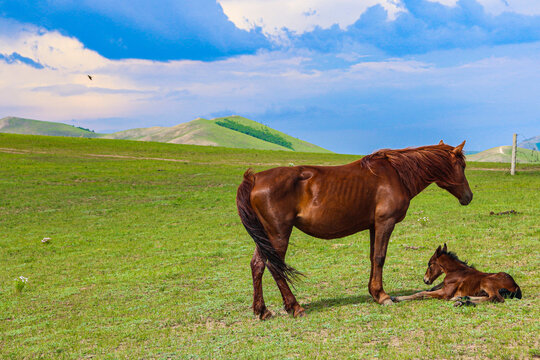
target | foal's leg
[
  {"x": 257, "y": 271},
  {"x": 379, "y": 238},
  {"x": 493, "y": 295},
  {"x": 437, "y": 294}
]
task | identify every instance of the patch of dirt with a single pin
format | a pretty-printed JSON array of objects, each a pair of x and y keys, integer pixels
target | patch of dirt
[
  {"x": 135, "y": 157},
  {"x": 14, "y": 151},
  {"x": 410, "y": 247},
  {"x": 509, "y": 212}
]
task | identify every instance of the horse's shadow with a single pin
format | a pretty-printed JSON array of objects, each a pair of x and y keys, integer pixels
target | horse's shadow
[{"x": 322, "y": 304}]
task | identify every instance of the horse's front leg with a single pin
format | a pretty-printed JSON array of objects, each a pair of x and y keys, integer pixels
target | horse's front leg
[{"x": 379, "y": 238}]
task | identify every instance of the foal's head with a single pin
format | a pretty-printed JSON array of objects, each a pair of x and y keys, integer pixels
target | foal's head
[
  {"x": 455, "y": 181},
  {"x": 435, "y": 269}
]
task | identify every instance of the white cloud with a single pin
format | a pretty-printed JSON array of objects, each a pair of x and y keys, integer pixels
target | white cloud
[
  {"x": 300, "y": 15},
  {"x": 495, "y": 7},
  {"x": 304, "y": 15}
]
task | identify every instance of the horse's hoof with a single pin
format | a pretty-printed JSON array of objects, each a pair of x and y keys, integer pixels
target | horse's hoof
[
  {"x": 458, "y": 303},
  {"x": 267, "y": 314},
  {"x": 300, "y": 312},
  {"x": 388, "y": 301}
]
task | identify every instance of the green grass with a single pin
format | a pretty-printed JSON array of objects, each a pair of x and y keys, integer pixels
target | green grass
[{"x": 148, "y": 259}]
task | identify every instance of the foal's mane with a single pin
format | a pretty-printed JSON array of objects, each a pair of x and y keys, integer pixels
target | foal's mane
[
  {"x": 418, "y": 166},
  {"x": 454, "y": 257}
]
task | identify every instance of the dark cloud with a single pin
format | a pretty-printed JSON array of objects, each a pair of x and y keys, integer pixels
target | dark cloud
[{"x": 15, "y": 58}]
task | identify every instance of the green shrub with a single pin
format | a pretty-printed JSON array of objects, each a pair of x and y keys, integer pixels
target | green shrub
[{"x": 263, "y": 133}]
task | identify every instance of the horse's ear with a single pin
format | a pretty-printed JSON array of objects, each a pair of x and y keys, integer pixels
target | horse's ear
[
  {"x": 438, "y": 251},
  {"x": 444, "y": 249},
  {"x": 459, "y": 148},
  {"x": 441, "y": 142}
]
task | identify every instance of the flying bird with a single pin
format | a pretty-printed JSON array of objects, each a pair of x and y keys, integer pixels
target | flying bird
[{"x": 90, "y": 77}]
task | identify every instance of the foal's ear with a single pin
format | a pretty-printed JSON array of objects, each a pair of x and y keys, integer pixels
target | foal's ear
[
  {"x": 441, "y": 142},
  {"x": 459, "y": 148},
  {"x": 438, "y": 251},
  {"x": 444, "y": 249}
]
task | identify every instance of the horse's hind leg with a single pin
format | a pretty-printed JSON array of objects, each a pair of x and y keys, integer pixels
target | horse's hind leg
[
  {"x": 257, "y": 271},
  {"x": 289, "y": 300}
]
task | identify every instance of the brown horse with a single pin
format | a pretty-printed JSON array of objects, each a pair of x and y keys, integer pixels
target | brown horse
[
  {"x": 463, "y": 283},
  {"x": 335, "y": 201}
]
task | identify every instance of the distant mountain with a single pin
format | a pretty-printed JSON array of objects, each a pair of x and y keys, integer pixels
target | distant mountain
[
  {"x": 532, "y": 143},
  {"x": 231, "y": 131},
  {"x": 15, "y": 125},
  {"x": 504, "y": 154}
]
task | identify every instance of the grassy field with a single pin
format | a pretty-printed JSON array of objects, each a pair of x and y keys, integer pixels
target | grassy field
[{"x": 148, "y": 259}]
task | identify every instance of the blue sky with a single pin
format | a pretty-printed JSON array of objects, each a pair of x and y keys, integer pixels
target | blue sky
[{"x": 352, "y": 76}]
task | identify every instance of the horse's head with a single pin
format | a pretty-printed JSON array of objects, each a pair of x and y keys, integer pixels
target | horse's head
[
  {"x": 455, "y": 181},
  {"x": 434, "y": 269}
]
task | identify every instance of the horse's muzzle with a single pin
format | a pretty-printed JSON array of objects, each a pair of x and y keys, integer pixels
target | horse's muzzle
[
  {"x": 466, "y": 199},
  {"x": 426, "y": 281}
]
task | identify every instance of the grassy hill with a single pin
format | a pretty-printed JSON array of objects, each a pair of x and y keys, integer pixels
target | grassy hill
[
  {"x": 148, "y": 259},
  {"x": 532, "y": 143},
  {"x": 504, "y": 154},
  {"x": 15, "y": 125},
  {"x": 231, "y": 131}
]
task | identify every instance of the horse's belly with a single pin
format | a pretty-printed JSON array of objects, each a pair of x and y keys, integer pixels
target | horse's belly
[{"x": 331, "y": 226}]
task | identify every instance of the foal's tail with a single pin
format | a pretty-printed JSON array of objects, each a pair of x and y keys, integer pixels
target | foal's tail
[
  {"x": 256, "y": 230},
  {"x": 513, "y": 291},
  {"x": 505, "y": 293}
]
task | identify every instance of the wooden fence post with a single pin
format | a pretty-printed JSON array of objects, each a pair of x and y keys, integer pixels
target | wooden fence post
[{"x": 514, "y": 149}]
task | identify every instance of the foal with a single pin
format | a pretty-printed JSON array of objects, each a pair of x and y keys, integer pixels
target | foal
[{"x": 463, "y": 283}]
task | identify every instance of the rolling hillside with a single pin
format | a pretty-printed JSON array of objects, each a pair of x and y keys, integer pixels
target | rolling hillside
[
  {"x": 532, "y": 143},
  {"x": 504, "y": 154},
  {"x": 231, "y": 131},
  {"x": 15, "y": 125}
]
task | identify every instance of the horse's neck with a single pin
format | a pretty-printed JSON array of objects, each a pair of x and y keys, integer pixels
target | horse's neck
[
  {"x": 424, "y": 174},
  {"x": 450, "y": 265},
  {"x": 422, "y": 185}
]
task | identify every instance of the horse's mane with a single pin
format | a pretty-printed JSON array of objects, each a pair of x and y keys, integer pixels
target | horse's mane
[
  {"x": 453, "y": 256},
  {"x": 417, "y": 166}
]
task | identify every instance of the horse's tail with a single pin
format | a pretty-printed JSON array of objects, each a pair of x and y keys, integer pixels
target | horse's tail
[{"x": 256, "y": 230}]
